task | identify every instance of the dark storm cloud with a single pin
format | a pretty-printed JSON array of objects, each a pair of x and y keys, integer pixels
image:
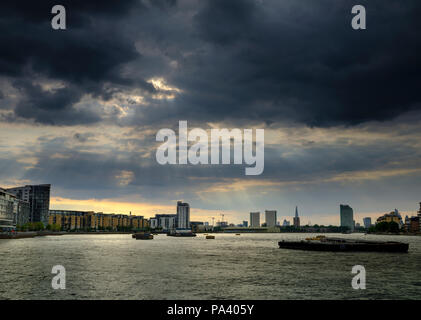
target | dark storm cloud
[
  {"x": 301, "y": 61},
  {"x": 264, "y": 61},
  {"x": 51, "y": 107},
  {"x": 225, "y": 22},
  {"x": 87, "y": 57},
  {"x": 88, "y": 49}
]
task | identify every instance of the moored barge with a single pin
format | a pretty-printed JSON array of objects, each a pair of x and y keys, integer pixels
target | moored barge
[
  {"x": 142, "y": 236},
  {"x": 322, "y": 243},
  {"x": 181, "y": 234}
]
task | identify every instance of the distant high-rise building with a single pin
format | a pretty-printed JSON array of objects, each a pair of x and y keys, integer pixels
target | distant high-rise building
[
  {"x": 296, "y": 218},
  {"x": 245, "y": 224},
  {"x": 183, "y": 215},
  {"x": 38, "y": 197},
  {"x": 367, "y": 222},
  {"x": 270, "y": 218},
  {"x": 254, "y": 219},
  {"x": 347, "y": 216}
]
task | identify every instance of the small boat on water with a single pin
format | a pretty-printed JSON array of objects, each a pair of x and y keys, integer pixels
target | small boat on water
[
  {"x": 210, "y": 237},
  {"x": 322, "y": 243},
  {"x": 142, "y": 236},
  {"x": 237, "y": 234}
]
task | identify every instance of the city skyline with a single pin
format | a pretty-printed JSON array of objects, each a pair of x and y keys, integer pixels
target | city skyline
[
  {"x": 82, "y": 110},
  {"x": 197, "y": 213},
  {"x": 205, "y": 215}
]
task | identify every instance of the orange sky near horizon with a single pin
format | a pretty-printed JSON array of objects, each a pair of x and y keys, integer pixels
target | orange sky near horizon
[{"x": 147, "y": 210}]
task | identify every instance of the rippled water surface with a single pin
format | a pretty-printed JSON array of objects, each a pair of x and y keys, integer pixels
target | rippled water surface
[{"x": 250, "y": 266}]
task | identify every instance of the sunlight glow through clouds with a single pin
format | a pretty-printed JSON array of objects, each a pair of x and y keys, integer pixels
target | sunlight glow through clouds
[{"x": 147, "y": 210}]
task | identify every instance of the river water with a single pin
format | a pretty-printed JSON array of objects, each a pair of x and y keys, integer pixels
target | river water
[{"x": 249, "y": 266}]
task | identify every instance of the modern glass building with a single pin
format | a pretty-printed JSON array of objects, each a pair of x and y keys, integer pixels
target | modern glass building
[
  {"x": 367, "y": 222},
  {"x": 6, "y": 211},
  {"x": 38, "y": 197},
  {"x": 22, "y": 212},
  {"x": 12, "y": 211},
  {"x": 347, "y": 216}
]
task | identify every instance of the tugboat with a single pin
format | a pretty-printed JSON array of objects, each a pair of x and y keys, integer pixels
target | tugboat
[
  {"x": 210, "y": 237},
  {"x": 142, "y": 236},
  {"x": 322, "y": 243}
]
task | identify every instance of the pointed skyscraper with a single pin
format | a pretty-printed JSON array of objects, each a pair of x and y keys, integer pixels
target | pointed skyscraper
[{"x": 296, "y": 218}]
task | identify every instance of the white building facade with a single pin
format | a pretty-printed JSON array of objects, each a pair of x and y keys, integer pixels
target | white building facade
[
  {"x": 254, "y": 219},
  {"x": 270, "y": 218},
  {"x": 183, "y": 215}
]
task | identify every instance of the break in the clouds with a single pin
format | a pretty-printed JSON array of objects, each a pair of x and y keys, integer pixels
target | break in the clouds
[{"x": 80, "y": 107}]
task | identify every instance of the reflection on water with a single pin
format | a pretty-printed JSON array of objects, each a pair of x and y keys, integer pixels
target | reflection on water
[{"x": 250, "y": 266}]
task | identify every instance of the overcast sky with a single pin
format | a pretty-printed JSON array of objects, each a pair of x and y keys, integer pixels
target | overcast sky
[{"x": 80, "y": 108}]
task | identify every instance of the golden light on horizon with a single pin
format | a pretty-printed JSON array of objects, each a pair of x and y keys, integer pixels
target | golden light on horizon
[
  {"x": 109, "y": 206},
  {"x": 147, "y": 210}
]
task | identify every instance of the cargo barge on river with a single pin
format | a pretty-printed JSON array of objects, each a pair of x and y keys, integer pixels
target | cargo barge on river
[
  {"x": 142, "y": 236},
  {"x": 181, "y": 234},
  {"x": 322, "y": 243}
]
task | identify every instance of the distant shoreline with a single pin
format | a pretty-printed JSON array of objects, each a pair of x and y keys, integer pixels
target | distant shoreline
[
  {"x": 394, "y": 234},
  {"x": 33, "y": 234}
]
